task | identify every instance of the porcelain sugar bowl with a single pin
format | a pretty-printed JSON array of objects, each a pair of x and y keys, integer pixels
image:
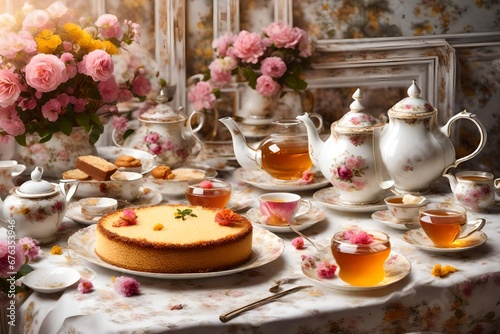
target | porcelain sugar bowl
[
  {"x": 346, "y": 157},
  {"x": 36, "y": 208}
]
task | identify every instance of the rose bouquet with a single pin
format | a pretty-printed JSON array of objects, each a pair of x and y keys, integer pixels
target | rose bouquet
[
  {"x": 269, "y": 62},
  {"x": 14, "y": 262},
  {"x": 56, "y": 74}
]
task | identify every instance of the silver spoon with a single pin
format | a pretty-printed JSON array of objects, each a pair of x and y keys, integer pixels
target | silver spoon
[{"x": 319, "y": 248}]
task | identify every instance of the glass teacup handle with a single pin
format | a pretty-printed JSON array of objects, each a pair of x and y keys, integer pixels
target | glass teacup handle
[
  {"x": 471, "y": 228},
  {"x": 304, "y": 208}
]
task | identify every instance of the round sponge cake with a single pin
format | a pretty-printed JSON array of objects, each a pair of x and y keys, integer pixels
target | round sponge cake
[{"x": 159, "y": 242}]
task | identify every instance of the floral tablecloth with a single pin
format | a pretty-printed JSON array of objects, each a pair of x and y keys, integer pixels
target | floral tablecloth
[{"x": 467, "y": 301}]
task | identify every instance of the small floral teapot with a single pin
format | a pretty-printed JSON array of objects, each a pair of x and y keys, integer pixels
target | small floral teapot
[
  {"x": 346, "y": 157},
  {"x": 164, "y": 133},
  {"x": 36, "y": 208}
]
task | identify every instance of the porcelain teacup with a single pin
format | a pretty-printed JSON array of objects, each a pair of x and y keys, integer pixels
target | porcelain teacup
[
  {"x": 282, "y": 209},
  {"x": 9, "y": 170}
]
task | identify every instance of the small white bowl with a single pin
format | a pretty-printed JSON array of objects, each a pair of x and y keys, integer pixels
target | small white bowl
[
  {"x": 97, "y": 206},
  {"x": 404, "y": 211},
  {"x": 177, "y": 186},
  {"x": 51, "y": 280}
]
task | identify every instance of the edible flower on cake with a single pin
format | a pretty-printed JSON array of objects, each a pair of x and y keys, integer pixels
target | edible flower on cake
[
  {"x": 358, "y": 237},
  {"x": 127, "y": 219},
  {"x": 181, "y": 214},
  {"x": 228, "y": 217},
  {"x": 158, "y": 227}
]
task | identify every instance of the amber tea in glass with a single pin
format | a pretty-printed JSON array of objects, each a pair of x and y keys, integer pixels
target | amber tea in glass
[
  {"x": 442, "y": 223},
  {"x": 361, "y": 264},
  {"x": 215, "y": 196}
]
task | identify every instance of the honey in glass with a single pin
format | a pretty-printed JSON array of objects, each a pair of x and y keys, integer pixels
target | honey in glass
[
  {"x": 442, "y": 225},
  {"x": 216, "y": 196},
  {"x": 361, "y": 264}
]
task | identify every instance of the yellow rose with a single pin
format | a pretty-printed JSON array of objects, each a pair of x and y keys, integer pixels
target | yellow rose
[
  {"x": 47, "y": 42},
  {"x": 110, "y": 48}
]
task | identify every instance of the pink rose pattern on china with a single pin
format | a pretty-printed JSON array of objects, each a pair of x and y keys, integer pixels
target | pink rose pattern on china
[
  {"x": 158, "y": 146},
  {"x": 347, "y": 172},
  {"x": 474, "y": 195}
]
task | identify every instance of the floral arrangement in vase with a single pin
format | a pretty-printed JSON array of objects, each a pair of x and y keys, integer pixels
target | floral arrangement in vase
[
  {"x": 268, "y": 62},
  {"x": 56, "y": 74}
]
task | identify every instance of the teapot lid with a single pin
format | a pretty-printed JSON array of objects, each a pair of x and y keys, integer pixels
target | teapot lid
[
  {"x": 413, "y": 105},
  {"x": 162, "y": 112},
  {"x": 356, "y": 119},
  {"x": 36, "y": 187}
]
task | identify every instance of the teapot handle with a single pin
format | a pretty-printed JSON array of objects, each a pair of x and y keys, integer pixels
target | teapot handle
[
  {"x": 198, "y": 127},
  {"x": 114, "y": 139},
  {"x": 482, "y": 137}
]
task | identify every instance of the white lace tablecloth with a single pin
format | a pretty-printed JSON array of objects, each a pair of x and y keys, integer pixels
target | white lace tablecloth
[{"x": 466, "y": 301}]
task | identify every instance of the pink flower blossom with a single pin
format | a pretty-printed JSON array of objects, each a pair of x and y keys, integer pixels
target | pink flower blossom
[
  {"x": 202, "y": 97},
  {"x": 206, "y": 184},
  {"x": 223, "y": 43},
  {"x": 267, "y": 86},
  {"x": 249, "y": 46},
  {"x": 126, "y": 286},
  {"x": 58, "y": 10},
  {"x": 273, "y": 66},
  {"x": 10, "y": 88},
  {"x": 45, "y": 72},
  {"x": 30, "y": 247},
  {"x": 152, "y": 137},
  {"x": 305, "y": 47},
  {"x": 283, "y": 35},
  {"x": 78, "y": 103},
  {"x": 344, "y": 173},
  {"x": 37, "y": 19},
  {"x": 307, "y": 177},
  {"x": 110, "y": 27},
  {"x": 51, "y": 110},
  {"x": 71, "y": 69},
  {"x": 220, "y": 70},
  {"x": 10, "y": 262},
  {"x": 326, "y": 269},
  {"x": 119, "y": 123},
  {"x": 125, "y": 95},
  {"x": 27, "y": 104},
  {"x": 85, "y": 286},
  {"x": 63, "y": 99},
  {"x": 11, "y": 122},
  {"x": 98, "y": 64},
  {"x": 109, "y": 90},
  {"x": 358, "y": 237},
  {"x": 298, "y": 243},
  {"x": 155, "y": 148},
  {"x": 141, "y": 85}
]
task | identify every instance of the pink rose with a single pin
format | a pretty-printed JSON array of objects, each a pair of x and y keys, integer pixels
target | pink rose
[
  {"x": 125, "y": 95},
  {"x": 10, "y": 88},
  {"x": 283, "y": 35},
  {"x": 10, "y": 262},
  {"x": 201, "y": 96},
  {"x": 110, "y": 27},
  {"x": 45, "y": 72},
  {"x": 152, "y": 137},
  {"x": 223, "y": 43},
  {"x": 141, "y": 85},
  {"x": 78, "y": 103},
  {"x": 344, "y": 173},
  {"x": 37, "y": 19},
  {"x": 109, "y": 90},
  {"x": 220, "y": 70},
  {"x": 71, "y": 69},
  {"x": 249, "y": 46},
  {"x": 30, "y": 248},
  {"x": 273, "y": 66},
  {"x": 11, "y": 122},
  {"x": 51, "y": 110},
  {"x": 119, "y": 123},
  {"x": 98, "y": 64},
  {"x": 63, "y": 99},
  {"x": 267, "y": 86}
]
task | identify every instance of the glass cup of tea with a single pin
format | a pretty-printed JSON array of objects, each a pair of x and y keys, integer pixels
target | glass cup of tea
[
  {"x": 445, "y": 223},
  {"x": 208, "y": 192},
  {"x": 281, "y": 209},
  {"x": 361, "y": 255}
]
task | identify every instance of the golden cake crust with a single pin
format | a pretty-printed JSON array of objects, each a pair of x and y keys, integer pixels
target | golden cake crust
[{"x": 197, "y": 244}]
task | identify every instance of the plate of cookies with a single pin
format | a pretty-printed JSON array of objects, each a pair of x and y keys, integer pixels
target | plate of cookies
[
  {"x": 173, "y": 182},
  {"x": 128, "y": 159}
]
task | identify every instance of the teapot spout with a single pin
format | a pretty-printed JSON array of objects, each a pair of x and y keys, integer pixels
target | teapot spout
[
  {"x": 315, "y": 142},
  {"x": 245, "y": 155},
  {"x": 452, "y": 179}
]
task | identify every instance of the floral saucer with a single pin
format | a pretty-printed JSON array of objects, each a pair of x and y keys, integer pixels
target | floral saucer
[
  {"x": 418, "y": 238},
  {"x": 385, "y": 217},
  {"x": 149, "y": 197},
  {"x": 239, "y": 200},
  {"x": 396, "y": 268},
  {"x": 330, "y": 198},
  {"x": 309, "y": 219},
  {"x": 262, "y": 180}
]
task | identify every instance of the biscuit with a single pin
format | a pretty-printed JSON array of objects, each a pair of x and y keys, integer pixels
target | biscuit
[
  {"x": 162, "y": 172},
  {"x": 127, "y": 161},
  {"x": 75, "y": 174},
  {"x": 98, "y": 168}
]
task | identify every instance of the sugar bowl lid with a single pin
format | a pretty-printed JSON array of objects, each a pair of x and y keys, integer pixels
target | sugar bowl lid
[
  {"x": 413, "y": 105},
  {"x": 356, "y": 120},
  {"x": 36, "y": 187},
  {"x": 162, "y": 112}
]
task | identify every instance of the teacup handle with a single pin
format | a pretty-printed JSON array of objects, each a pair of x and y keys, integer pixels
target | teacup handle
[
  {"x": 18, "y": 169},
  {"x": 303, "y": 209},
  {"x": 471, "y": 228}
]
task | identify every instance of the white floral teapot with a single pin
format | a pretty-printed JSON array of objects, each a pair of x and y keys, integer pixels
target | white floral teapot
[
  {"x": 164, "y": 133},
  {"x": 346, "y": 157},
  {"x": 411, "y": 150},
  {"x": 36, "y": 208}
]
